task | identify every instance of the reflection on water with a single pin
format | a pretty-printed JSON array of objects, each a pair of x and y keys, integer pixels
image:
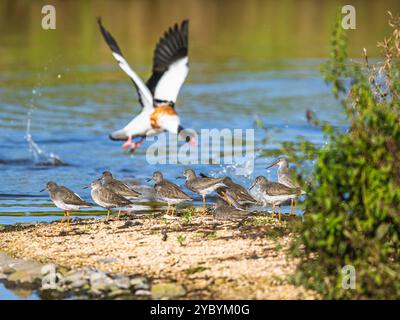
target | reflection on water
[{"x": 16, "y": 294}]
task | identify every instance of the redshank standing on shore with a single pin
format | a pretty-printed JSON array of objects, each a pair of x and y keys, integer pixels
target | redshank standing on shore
[
  {"x": 234, "y": 194},
  {"x": 275, "y": 193},
  {"x": 65, "y": 199},
  {"x": 168, "y": 192},
  {"x": 106, "y": 198},
  {"x": 285, "y": 176},
  {"x": 202, "y": 186},
  {"x": 108, "y": 181}
]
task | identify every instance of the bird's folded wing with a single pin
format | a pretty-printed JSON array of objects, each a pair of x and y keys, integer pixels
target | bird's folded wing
[
  {"x": 170, "y": 190},
  {"x": 170, "y": 64},
  {"x": 71, "y": 198},
  {"x": 278, "y": 189},
  {"x": 145, "y": 97}
]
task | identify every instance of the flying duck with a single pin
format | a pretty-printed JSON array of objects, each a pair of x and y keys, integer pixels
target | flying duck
[{"x": 158, "y": 95}]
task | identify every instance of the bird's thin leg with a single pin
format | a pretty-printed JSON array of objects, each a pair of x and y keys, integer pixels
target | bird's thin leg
[
  {"x": 68, "y": 218},
  {"x": 168, "y": 209},
  {"x": 108, "y": 214},
  {"x": 273, "y": 210},
  {"x": 135, "y": 145},
  {"x": 173, "y": 211},
  {"x": 295, "y": 205},
  {"x": 291, "y": 206},
  {"x": 119, "y": 213},
  {"x": 279, "y": 212},
  {"x": 127, "y": 143},
  {"x": 204, "y": 204},
  {"x": 62, "y": 220},
  {"x": 226, "y": 198}
]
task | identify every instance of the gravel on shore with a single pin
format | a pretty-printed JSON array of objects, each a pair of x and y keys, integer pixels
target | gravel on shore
[{"x": 200, "y": 257}]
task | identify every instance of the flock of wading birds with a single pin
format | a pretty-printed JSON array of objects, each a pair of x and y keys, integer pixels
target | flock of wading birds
[{"x": 233, "y": 203}]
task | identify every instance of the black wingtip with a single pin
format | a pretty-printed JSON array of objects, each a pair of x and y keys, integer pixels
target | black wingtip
[
  {"x": 109, "y": 38},
  {"x": 185, "y": 25}
]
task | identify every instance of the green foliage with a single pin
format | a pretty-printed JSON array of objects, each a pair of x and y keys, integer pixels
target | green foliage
[
  {"x": 187, "y": 215},
  {"x": 181, "y": 239},
  {"x": 353, "y": 202}
]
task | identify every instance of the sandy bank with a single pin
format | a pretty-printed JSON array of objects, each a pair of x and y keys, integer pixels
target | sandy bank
[{"x": 210, "y": 259}]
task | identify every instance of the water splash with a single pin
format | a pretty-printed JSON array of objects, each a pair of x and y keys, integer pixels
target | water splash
[
  {"x": 38, "y": 155},
  {"x": 242, "y": 171}
]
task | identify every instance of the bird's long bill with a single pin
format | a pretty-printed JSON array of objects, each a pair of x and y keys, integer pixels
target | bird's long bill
[
  {"x": 272, "y": 164},
  {"x": 43, "y": 189},
  {"x": 86, "y": 187},
  {"x": 149, "y": 179},
  {"x": 180, "y": 177},
  {"x": 252, "y": 186}
]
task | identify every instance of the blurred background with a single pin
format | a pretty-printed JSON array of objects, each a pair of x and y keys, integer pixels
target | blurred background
[{"x": 254, "y": 64}]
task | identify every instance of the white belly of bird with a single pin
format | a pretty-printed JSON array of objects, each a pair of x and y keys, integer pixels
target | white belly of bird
[
  {"x": 211, "y": 189},
  {"x": 66, "y": 207},
  {"x": 278, "y": 199},
  {"x": 172, "y": 201}
]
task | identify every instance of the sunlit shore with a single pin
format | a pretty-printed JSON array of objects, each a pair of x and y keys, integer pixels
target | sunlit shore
[{"x": 191, "y": 257}]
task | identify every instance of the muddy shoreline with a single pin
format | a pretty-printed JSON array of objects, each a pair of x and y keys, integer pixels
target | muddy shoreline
[{"x": 189, "y": 257}]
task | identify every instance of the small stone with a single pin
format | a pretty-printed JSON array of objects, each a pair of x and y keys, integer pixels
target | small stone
[
  {"x": 73, "y": 276},
  {"x": 23, "y": 277},
  {"x": 139, "y": 283},
  {"x": 130, "y": 223},
  {"x": 167, "y": 290},
  {"x": 142, "y": 293},
  {"x": 122, "y": 282},
  {"x": 7, "y": 270},
  {"x": 118, "y": 293},
  {"x": 100, "y": 282},
  {"x": 79, "y": 283},
  {"x": 107, "y": 260}
]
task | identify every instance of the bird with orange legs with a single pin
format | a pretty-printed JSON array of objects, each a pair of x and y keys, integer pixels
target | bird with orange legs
[
  {"x": 65, "y": 199},
  {"x": 201, "y": 185}
]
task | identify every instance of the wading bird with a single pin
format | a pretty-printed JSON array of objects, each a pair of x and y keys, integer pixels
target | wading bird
[
  {"x": 158, "y": 96},
  {"x": 275, "y": 193},
  {"x": 108, "y": 181},
  {"x": 285, "y": 177},
  {"x": 234, "y": 194},
  {"x": 168, "y": 192},
  {"x": 65, "y": 199},
  {"x": 201, "y": 186},
  {"x": 106, "y": 198}
]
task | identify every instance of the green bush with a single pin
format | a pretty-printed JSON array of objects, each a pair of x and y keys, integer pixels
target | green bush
[{"x": 353, "y": 202}]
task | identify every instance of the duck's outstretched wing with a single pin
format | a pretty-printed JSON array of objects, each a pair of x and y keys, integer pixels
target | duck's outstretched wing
[
  {"x": 170, "y": 64},
  {"x": 145, "y": 96}
]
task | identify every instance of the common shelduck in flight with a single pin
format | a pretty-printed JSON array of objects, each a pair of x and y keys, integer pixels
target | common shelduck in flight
[{"x": 158, "y": 95}]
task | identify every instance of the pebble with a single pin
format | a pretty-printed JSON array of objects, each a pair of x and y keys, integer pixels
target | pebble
[
  {"x": 29, "y": 273},
  {"x": 167, "y": 290}
]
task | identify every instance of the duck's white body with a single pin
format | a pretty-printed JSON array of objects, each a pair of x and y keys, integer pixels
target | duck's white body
[{"x": 159, "y": 94}]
